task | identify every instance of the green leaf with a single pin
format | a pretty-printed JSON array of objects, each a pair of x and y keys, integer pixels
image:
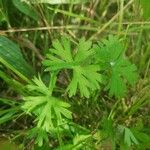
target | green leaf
[
  {"x": 38, "y": 86},
  {"x": 8, "y": 114},
  {"x": 40, "y": 136},
  {"x": 50, "y": 111},
  {"x": 10, "y": 102},
  {"x": 84, "y": 50},
  {"x": 11, "y": 57},
  {"x": 120, "y": 71},
  {"x": 58, "y": 1},
  {"x": 86, "y": 76},
  {"x": 146, "y": 8},
  {"x": 141, "y": 136},
  {"x": 26, "y": 9},
  {"x": 6, "y": 144},
  {"x": 108, "y": 51},
  {"x": 129, "y": 137}
]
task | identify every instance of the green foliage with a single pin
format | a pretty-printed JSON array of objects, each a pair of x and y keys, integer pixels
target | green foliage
[
  {"x": 85, "y": 96},
  {"x": 50, "y": 111},
  {"x": 110, "y": 54},
  {"x": 39, "y": 134},
  {"x": 85, "y": 73},
  {"x": 129, "y": 137},
  {"x": 11, "y": 57},
  {"x": 10, "y": 113},
  {"x": 26, "y": 9},
  {"x": 90, "y": 67}
]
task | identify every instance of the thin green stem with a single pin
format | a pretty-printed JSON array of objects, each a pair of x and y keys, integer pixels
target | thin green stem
[{"x": 120, "y": 17}]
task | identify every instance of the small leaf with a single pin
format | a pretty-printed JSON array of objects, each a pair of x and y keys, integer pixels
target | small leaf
[
  {"x": 39, "y": 134},
  {"x": 38, "y": 86},
  {"x": 50, "y": 111},
  {"x": 26, "y": 9},
  {"x": 129, "y": 137},
  {"x": 120, "y": 70}
]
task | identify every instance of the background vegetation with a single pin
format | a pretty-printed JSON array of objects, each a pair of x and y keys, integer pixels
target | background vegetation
[{"x": 99, "y": 121}]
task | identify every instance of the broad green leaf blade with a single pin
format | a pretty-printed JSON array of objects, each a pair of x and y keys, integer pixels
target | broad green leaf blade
[
  {"x": 53, "y": 2},
  {"x": 11, "y": 57},
  {"x": 26, "y": 9},
  {"x": 146, "y": 8}
]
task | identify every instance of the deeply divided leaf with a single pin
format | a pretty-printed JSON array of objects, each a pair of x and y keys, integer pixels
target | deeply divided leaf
[
  {"x": 119, "y": 70},
  {"x": 49, "y": 110},
  {"x": 86, "y": 76}
]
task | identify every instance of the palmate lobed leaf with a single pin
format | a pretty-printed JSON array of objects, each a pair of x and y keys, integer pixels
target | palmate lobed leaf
[
  {"x": 49, "y": 110},
  {"x": 110, "y": 53},
  {"x": 86, "y": 76}
]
